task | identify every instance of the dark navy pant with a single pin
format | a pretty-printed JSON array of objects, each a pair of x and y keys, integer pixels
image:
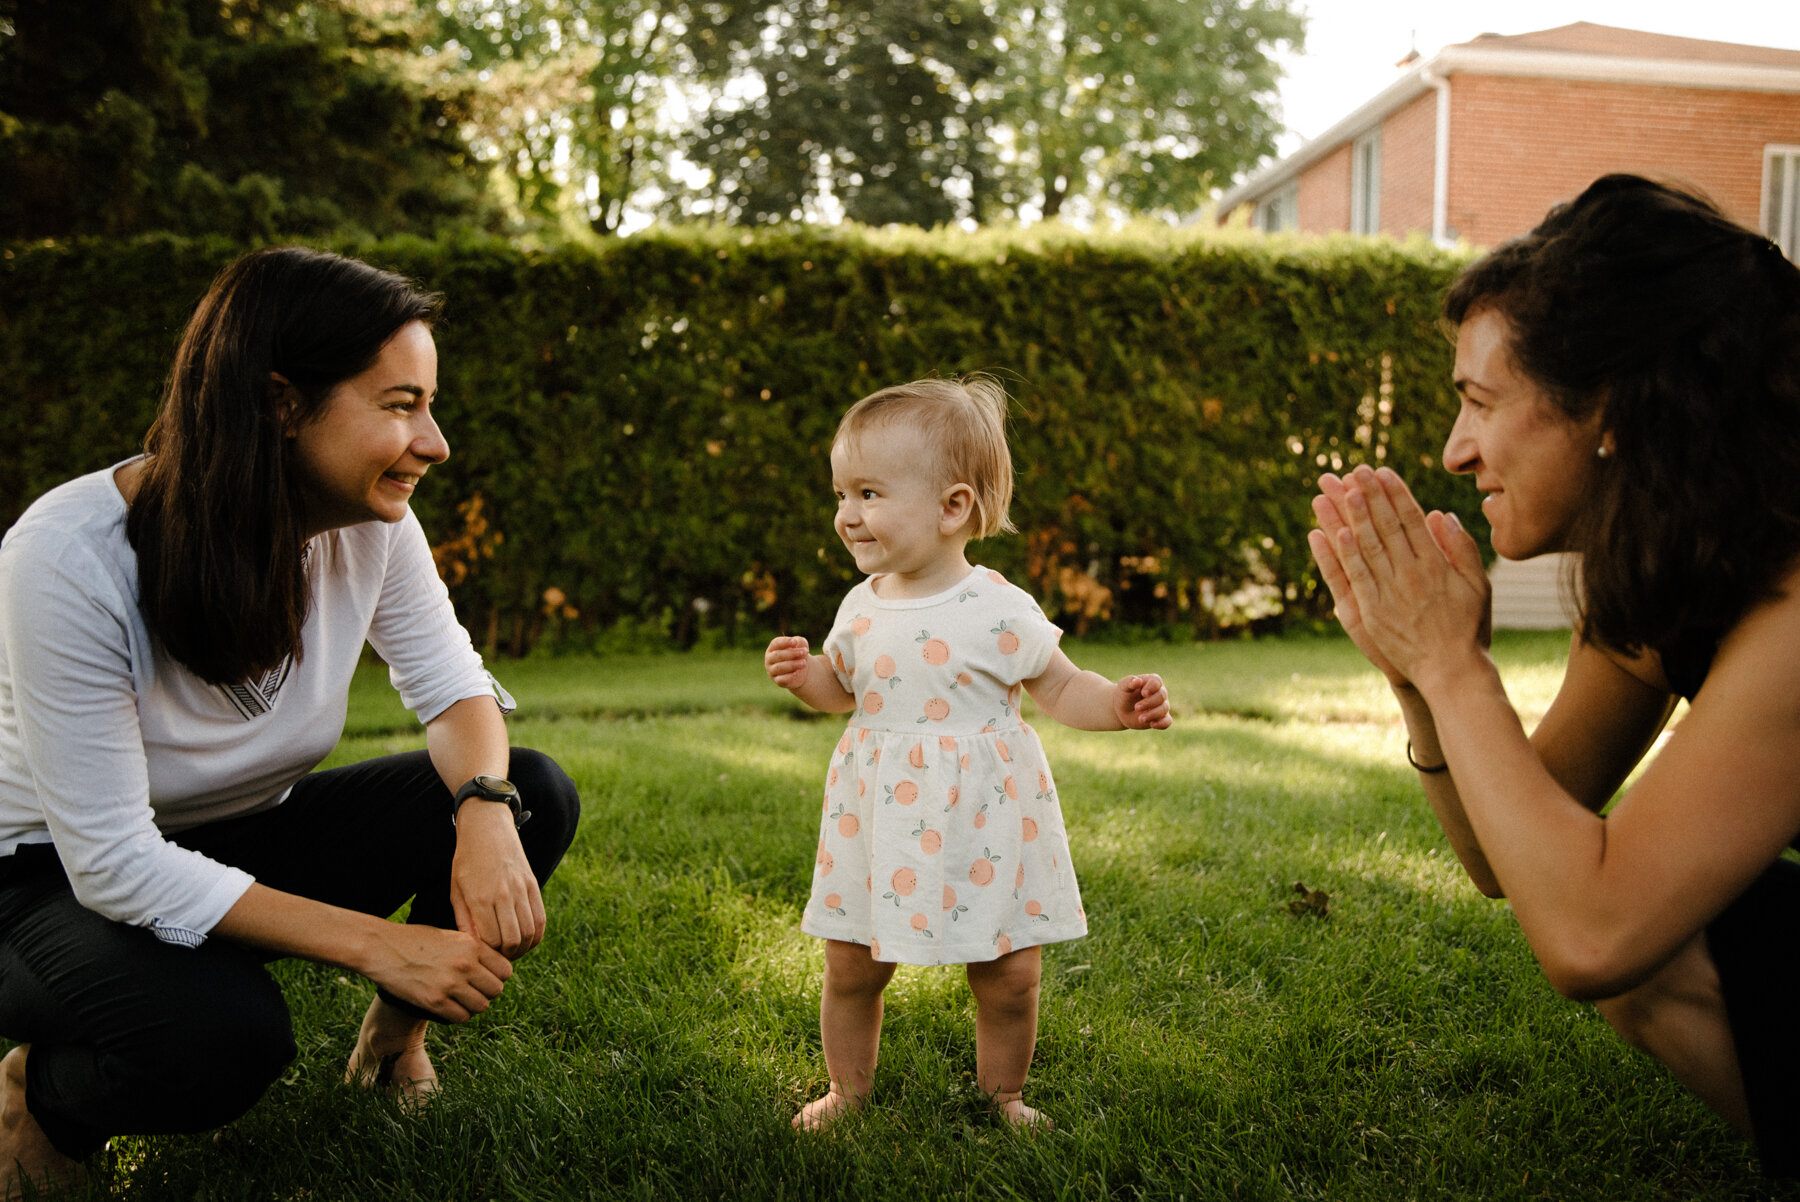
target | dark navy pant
[{"x": 131, "y": 1035}]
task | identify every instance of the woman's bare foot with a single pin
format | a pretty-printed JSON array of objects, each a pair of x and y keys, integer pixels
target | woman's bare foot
[
  {"x": 821, "y": 1112},
  {"x": 1007, "y": 1105},
  {"x": 390, "y": 1055},
  {"x": 25, "y": 1151}
]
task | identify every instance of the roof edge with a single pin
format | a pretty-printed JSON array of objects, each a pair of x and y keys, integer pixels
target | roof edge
[{"x": 1470, "y": 59}]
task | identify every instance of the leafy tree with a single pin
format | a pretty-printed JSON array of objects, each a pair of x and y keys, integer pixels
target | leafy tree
[
  {"x": 1144, "y": 105},
  {"x": 869, "y": 101},
  {"x": 565, "y": 97},
  {"x": 248, "y": 117}
]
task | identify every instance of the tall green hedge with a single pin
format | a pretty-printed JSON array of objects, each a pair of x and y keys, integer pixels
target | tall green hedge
[{"x": 640, "y": 434}]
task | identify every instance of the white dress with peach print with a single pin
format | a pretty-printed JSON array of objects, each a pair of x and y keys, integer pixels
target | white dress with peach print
[{"x": 942, "y": 841}]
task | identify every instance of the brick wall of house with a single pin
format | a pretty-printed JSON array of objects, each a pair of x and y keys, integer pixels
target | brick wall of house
[
  {"x": 1518, "y": 145},
  {"x": 1408, "y": 160},
  {"x": 1325, "y": 192}
]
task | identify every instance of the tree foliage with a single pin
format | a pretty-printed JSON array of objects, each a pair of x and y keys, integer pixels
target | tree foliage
[
  {"x": 564, "y": 97},
  {"x": 244, "y": 117},
  {"x": 911, "y": 111},
  {"x": 1142, "y": 105},
  {"x": 869, "y": 102}
]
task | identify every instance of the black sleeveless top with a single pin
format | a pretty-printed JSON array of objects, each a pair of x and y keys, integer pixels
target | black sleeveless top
[{"x": 1688, "y": 659}]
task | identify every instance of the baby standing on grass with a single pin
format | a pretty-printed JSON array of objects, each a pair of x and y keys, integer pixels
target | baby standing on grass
[{"x": 941, "y": 841}]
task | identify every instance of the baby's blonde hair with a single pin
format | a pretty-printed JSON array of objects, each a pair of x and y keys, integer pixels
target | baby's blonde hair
[{"x": 964, "y": 420}]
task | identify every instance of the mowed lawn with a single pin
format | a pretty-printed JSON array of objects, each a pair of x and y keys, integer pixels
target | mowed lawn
[{"x": 1204, "y": 1041}]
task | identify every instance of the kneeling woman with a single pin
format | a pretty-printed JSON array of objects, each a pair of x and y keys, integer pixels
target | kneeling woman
[
  {"x": 1630, "y": 380},
  {"x": 177, "y": 638}
]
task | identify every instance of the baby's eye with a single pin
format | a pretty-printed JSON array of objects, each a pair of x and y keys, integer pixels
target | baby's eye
[{"x": 868, "y": 494}]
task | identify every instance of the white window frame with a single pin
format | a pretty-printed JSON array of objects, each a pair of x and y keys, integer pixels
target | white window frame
[
  {"x": 1781, "y": 197},
  {"x": 1280, "y": 210},
  {"x": 1365, "y": 184}
]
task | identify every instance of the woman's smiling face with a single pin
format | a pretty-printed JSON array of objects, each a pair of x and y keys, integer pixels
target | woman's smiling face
[
  {"x": 1533, "y": 461},
  {"x": 372, "y": 440}
]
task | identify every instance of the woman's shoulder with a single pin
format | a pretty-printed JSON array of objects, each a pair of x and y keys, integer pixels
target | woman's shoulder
[
  {"x": 1765, "y": 640},
  {"x": 83, "y": 516}
]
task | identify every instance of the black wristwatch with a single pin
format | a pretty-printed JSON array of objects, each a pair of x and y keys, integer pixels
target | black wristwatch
[{"x": 491, "y": 788}]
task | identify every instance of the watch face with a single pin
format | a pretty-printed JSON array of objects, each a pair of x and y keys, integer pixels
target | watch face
[{"x": 496, "y": 784}]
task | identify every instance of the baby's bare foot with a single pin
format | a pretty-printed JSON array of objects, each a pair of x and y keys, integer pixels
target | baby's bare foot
[
  {"x": 821, "y": 1112},
  {"x": 390, "y": 1055},
  {"x": 25, "y": 1151},
  {"x": 1022, "y": 1117}
]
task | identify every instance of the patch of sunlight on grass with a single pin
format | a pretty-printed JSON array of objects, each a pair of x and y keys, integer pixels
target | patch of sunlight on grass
[
  {"x": 772, "y": 952},
  {"x": 1430, "y": 872}
]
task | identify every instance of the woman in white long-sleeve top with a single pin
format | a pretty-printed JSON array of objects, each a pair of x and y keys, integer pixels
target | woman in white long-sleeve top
[
  {"x": 1630, "y": 381},
  {"x": 177, "y": 638}
]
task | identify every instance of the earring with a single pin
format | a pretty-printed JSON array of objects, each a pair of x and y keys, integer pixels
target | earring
[{"x": 1603, "y": 452}]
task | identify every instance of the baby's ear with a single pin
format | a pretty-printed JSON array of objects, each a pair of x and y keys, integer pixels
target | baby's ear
[{"x": 956, "y": 509}]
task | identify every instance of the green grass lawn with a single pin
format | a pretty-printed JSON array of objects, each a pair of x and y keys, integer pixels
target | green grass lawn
[{"x": 1202, "y": 1042}]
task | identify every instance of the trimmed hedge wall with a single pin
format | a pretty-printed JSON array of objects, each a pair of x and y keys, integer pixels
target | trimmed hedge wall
[{"x": 640, "y": 434}]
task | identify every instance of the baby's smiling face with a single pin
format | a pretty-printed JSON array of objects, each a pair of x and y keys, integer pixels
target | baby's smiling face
[{"x": 891, "y": 509}]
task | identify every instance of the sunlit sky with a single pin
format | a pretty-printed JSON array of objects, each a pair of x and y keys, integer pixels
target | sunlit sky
[{"x": 1352, "y": 45}]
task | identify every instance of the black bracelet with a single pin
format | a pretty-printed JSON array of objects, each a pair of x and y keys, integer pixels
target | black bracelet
[{"x": 1443, "y": 767}]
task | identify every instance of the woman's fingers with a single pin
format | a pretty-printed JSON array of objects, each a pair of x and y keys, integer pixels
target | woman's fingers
[
  {"x": 1407, "y": 511},
  {"x": 1369, "y": 497},
  {"x": 1325, "y": 555}
]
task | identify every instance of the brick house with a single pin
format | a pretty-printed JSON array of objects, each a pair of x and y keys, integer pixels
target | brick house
[{"x": 1478, "y": 141}]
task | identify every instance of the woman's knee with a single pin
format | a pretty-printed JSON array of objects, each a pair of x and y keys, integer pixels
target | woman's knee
[
  {"x": 1664, "y": 1011},
  {"x": 555, "y": 805},
  {"x": 212, "y": 1057}
]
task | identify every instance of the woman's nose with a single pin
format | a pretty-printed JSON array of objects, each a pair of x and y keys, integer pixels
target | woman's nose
[
  {"x": 1460, "y": 452},
  {"x": 430, "y": 444}
]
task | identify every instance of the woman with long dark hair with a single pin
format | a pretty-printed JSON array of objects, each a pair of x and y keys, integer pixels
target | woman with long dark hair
[
  {"x": 1630, "y": 383},
  {"x": 177, "y": 639}
]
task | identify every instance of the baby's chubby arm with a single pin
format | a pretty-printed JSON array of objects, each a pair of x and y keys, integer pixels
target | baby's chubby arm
[
  {"x": 807, "y": 677},
  {"x": 1089, "y": 701}
]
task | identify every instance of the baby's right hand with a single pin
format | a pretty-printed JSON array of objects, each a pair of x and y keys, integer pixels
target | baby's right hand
[{"x": 787, "y": 661}]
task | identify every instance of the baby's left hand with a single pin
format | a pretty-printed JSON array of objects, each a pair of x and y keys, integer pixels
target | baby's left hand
[{"x": 1142, "y": 703}]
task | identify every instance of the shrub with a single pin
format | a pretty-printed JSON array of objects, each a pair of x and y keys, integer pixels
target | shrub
[{"x": 641, "y": 432}]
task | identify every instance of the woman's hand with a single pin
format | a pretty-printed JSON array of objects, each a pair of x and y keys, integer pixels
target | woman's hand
[
  {"x": 450, "y": 973},
  {"x": 493, "y": 893},
  {"x": 1408, "y": 585},
  {"x": 1142, "y": 703},
  {"x": 787, "y": 662}
]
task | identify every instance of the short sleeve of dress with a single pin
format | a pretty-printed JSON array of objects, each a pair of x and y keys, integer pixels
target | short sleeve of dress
[
  {"x": 1026, "y": 638},
  {"x": 840, "y": 644}
]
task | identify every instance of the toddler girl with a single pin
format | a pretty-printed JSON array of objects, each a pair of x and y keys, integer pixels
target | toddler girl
[{"x": 941, "y": 841}]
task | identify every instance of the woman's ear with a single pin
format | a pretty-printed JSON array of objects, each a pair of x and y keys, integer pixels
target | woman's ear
[
  {"x": 286, "y": 400},
  {"x": 956, "y": 509}
]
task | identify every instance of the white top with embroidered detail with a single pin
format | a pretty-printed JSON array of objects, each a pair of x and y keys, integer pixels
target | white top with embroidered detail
[{"x": 105, "y": 741}]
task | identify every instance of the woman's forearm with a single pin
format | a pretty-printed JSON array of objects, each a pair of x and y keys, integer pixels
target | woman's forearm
[
  {"x": 468, "y": 739},
  {"x": 448, "y": 973},
  {"x": 290, "y": 925},
  {"x": 1440, "y": 790}
]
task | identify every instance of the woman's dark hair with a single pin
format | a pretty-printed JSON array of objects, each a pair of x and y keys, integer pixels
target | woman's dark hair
[
  {"x": 1683, "y": 329},
  {"x": 217, "y": 522}
]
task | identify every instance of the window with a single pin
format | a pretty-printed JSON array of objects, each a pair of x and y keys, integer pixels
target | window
[
  {"x": 1365, "y": 184},
  {"x": 1280, "y": 210},
  {"x": 1781, "y": 197}
]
